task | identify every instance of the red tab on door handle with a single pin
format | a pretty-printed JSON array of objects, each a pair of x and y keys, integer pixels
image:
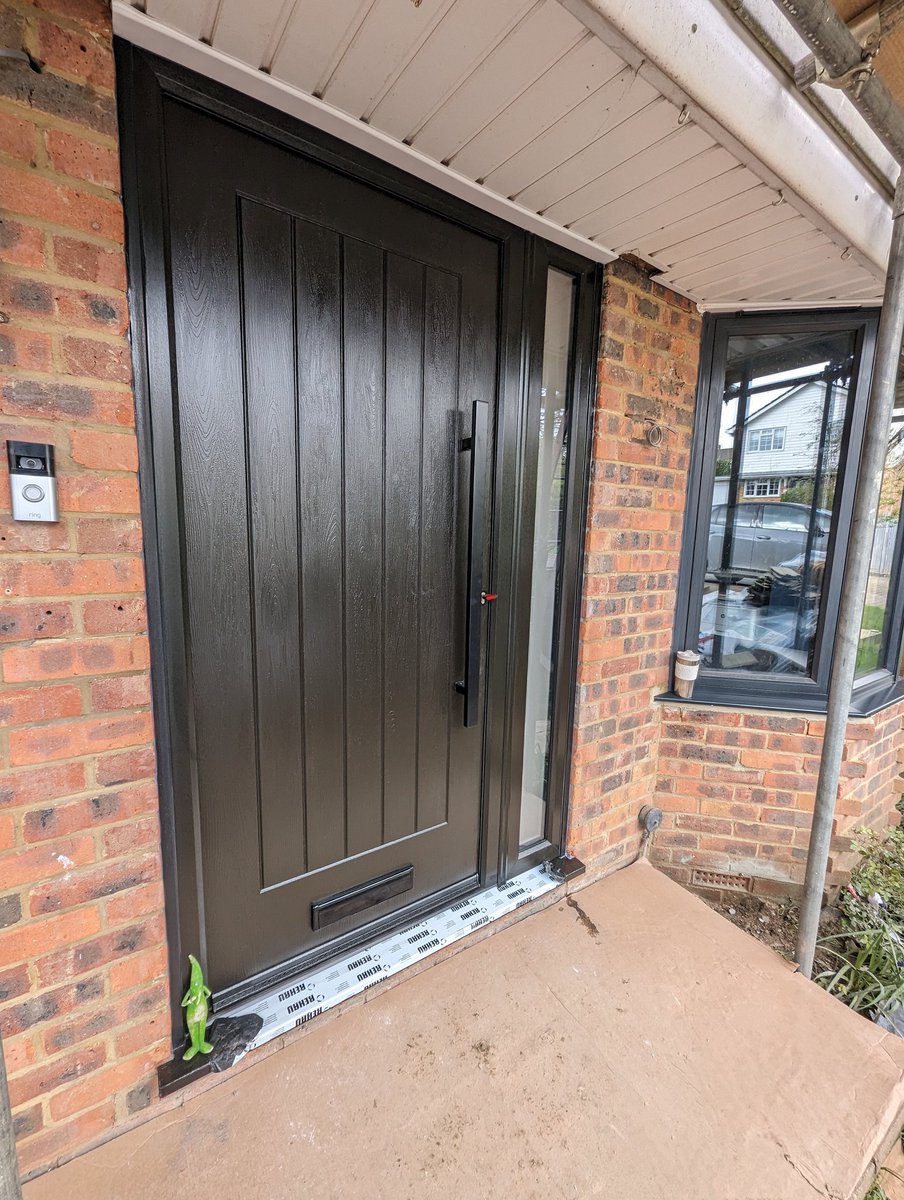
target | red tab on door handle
[{"x": 488, "y": 597}]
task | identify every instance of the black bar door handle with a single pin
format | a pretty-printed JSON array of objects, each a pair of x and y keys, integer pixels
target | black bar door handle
[{"x": 477, "y": 498}]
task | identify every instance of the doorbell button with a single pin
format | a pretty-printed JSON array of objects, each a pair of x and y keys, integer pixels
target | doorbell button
[{"x": 32, "y": 481}]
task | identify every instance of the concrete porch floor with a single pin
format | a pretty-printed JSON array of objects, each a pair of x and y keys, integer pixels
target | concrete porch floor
[{"x": 627, "y": 1043}]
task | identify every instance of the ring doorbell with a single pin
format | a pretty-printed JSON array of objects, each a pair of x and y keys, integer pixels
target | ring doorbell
[{"x": 32, "y": 481}]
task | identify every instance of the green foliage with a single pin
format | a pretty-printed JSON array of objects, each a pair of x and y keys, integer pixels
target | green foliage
[
  {"x": 867, "y": 971},
  {"x": 876, "y": 1192},
  {"x": 866, "y": 957},
  {"x": 723, "y": 467},
  {"x": 868, "y": 651},
  {"x": 801, "y": 493},
  {"x": 880, "y": 871}
]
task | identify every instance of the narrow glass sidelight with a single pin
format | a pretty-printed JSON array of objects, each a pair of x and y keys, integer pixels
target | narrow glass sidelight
[
  {"x": 551, "y": 433},
  {"x": 785, "y": 405}
]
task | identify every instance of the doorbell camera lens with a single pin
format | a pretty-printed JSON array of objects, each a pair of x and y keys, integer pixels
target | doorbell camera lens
[{"x": 31, "y": 464}]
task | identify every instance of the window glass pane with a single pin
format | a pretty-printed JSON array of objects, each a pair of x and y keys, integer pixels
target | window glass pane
[
  {"x": 549, "y": 513},
  {"x": 875, "y": 610},
  {"x": 784, "y": 404}
]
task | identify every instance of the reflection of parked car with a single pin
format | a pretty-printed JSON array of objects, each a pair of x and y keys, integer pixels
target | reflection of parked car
[{"x": 765, "y": 535}]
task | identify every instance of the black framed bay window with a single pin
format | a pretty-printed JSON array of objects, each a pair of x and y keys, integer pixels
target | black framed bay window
[{"x": 779, "y": 425}]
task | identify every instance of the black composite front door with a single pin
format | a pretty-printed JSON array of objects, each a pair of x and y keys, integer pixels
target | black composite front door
[{"x": 327, "y": 344}]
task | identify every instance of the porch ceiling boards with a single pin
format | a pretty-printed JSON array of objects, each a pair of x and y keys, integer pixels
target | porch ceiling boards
[{"x": 522, "y": 99}]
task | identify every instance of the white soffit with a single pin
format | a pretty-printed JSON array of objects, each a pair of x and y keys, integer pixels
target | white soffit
[{"x": 543, "y": 112}]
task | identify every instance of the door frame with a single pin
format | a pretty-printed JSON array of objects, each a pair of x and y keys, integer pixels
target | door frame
[{"x": 144, "y": 80}]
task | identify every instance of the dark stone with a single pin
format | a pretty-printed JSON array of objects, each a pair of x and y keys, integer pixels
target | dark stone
[
  {"x": 138, "y": 1098},
  {"x": 146, "y": 1002},
  {"x": 73, "y": 1032},
  {"x": 60, "y": 97},
  {"x": 892, "y": 1021},
  {"x": 648, "y": 308},
  {"x": 28, "y": 1122},
  {"x": 36, "y": 297},
  {"x": 105, "y": 806},
  {"x": 10, "y": 910},
  {"x": 89, "y": 989},
  {"x": 10, "y": 234},
  {"x": 231, "y": 1037},
  {"x": 32, "y": 1012},
  {"x": 129, "y": 940},
  {"x": 631, "y": 269},
  {"x": 644, "y": 406},
  {"x": 14, "y": 982},
  {"x": 54, "y": 399},
  {"x": 102, "y": 310}
]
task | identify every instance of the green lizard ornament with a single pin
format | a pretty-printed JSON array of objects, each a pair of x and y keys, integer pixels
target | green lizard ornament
[{"x": 195, "y": 1004}]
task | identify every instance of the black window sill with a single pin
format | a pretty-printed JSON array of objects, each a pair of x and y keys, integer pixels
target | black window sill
[{"x": 870, "y": 697}]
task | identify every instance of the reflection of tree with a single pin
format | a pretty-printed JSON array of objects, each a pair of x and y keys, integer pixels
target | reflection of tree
[
  {"x": 800, "y": 493},
  {"x": 893, "y": 477},
  {"x": 551, "y": 459},
  {"x": 550, "y": 471},
  {"x": 825, "y": 444}
]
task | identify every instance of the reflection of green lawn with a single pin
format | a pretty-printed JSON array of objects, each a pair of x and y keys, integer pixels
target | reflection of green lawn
[{"x": 868, "y": 654}]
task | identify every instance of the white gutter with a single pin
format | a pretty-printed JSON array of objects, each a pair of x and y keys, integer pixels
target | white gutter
[
  {"x": 697, "y": 53},
  {"x": 144, "y": 31},
  {"x": 772, "y": 29}
]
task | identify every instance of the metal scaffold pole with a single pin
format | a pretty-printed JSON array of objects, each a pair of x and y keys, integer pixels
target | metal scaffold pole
[
  {"x": 9, "y": 1167},
  {"x": 856, "y": 581}
]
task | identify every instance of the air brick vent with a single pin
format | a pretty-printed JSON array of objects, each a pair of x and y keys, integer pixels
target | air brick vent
[{"x": 717, "y": 879}]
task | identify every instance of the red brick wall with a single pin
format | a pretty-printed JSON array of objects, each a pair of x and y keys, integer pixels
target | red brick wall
[
  {"x": 738, "y": 791},
  {"x": 83, "y": 991},
  {"x": 649, "y": 348},
  {"x": 736, "y": 787}
]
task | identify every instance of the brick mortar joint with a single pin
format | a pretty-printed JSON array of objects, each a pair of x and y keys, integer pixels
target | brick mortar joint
[
  {"x": 72, "y": 283},
  {"x": 55, "y": 178}
]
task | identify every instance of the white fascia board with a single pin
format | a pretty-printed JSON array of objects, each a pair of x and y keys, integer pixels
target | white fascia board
[
  {"x": 144, "y": 31},
  {"x": 696, "y": 52},
  {"x": 788, "y": 43}
]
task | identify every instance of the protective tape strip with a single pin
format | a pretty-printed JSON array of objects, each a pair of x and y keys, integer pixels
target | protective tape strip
[{"x": 297, "y": 1001}]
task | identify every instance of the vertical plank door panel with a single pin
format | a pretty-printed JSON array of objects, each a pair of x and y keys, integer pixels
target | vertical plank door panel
[
  {"x": 402, "y": 575},
  {"x": 364, "y": 448},
  {"x": 441, "y": 451},
  {"x": 318, "y": 265},
  {"x": 270, "y": 407}
]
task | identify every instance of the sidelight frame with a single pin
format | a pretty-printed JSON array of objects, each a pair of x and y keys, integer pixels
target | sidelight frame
[
  {"x": 586, "y": 312},
  {"x": 144, "y": 81}
]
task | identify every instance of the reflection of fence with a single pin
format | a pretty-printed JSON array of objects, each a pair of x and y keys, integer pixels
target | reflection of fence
[{"x": 883, "y": 547}]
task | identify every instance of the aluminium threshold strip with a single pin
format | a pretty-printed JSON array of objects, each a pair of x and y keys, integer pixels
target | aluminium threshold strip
[{"x": 297, "y": 1001}]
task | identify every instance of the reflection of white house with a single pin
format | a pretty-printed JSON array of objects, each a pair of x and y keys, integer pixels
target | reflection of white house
[{"x": 781, "y": 441}]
